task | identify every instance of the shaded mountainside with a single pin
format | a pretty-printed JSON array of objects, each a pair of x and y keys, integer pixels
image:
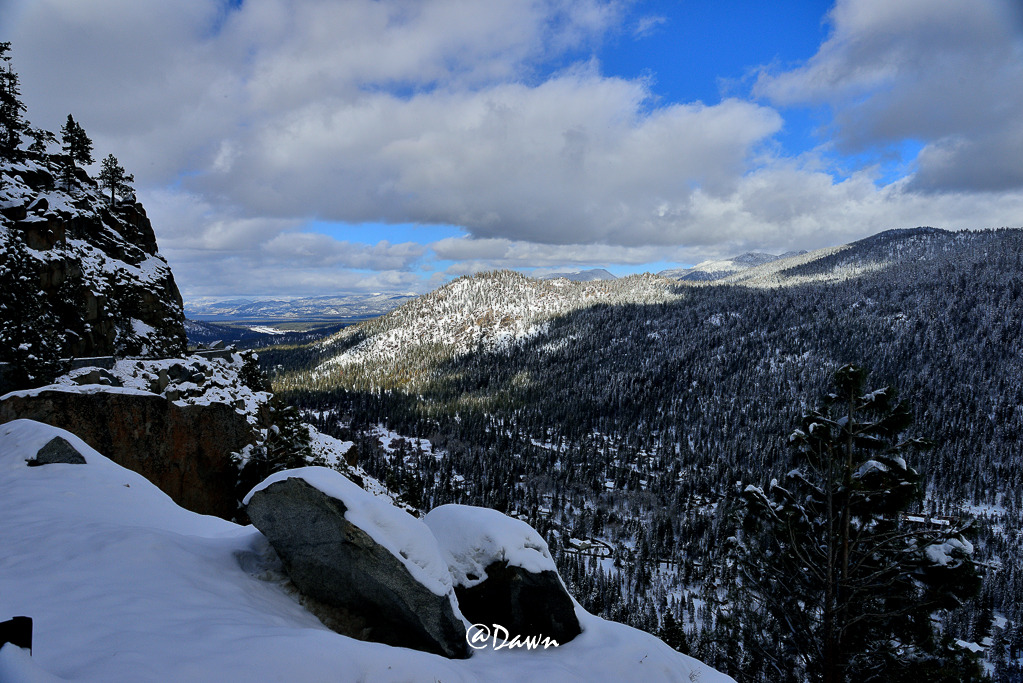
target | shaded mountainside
[
  {"x": 96, "y": 264},
  {"x": 632, "y": 424}
]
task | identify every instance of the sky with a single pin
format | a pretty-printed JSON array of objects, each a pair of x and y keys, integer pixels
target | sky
[{"x": 290, "y": 148}]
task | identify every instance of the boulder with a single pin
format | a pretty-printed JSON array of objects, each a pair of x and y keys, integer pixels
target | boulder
[
  {"x": 184, "y": 450},
  {"x": 97, "y": 376},
  {"x": 58, "y": 450},
  {"x": 503, "y": 573},
  {"x": 368, "y": 569}
]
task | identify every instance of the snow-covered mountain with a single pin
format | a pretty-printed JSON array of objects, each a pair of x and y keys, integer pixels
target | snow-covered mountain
[
  {"x": 480, "y": 312},
  {"x": 309, "y": 308}
]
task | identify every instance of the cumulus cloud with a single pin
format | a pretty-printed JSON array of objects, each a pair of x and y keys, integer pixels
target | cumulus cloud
[
  {"x": 213, "y": 251},
  {"x": 947, "y": 73},
  {"x": 490, "y": 253},
  {"x": 245, "y": 122},
  {"x": 429, "y": 112},
  {"x": 571, "y": 160}
]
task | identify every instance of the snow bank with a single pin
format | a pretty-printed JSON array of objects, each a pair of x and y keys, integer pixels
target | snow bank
[
  {"x": 126, "y": 587},
  {"x": 471, "y": 538}
]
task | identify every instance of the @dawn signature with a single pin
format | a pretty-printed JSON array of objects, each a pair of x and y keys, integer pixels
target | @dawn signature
[{"x": 481, "y": 636}]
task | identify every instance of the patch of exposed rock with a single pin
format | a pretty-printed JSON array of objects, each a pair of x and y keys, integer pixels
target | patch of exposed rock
[
  {"x": 57, "y": 450},
  {"x": 503, "y": 572}
]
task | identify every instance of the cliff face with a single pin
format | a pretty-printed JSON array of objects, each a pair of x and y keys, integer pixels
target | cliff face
[
  {"x": 184, "y": 449},
  {"x": 96, "y": 262}
]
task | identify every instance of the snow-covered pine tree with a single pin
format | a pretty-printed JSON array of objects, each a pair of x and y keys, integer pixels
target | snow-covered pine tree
[{"x": 846, "y": 581}]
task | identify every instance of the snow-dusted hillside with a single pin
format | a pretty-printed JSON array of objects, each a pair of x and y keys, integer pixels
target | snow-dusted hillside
[
  {"x": 481, "y": 312},
  {"x": 123, "y": 585}
]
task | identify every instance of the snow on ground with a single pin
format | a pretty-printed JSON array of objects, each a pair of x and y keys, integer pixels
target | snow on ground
[{"x": 125, "y": 586}]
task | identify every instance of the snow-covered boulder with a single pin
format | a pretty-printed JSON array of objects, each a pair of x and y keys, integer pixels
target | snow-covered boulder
[
  {"x": 372, "y": 571},
  {"x": 503, "y": 572}
]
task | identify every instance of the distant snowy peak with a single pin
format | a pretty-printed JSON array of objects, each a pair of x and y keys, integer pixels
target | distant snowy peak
[
  {"x": 717, "y": 269},
  {"x": 581, "y": 275}
]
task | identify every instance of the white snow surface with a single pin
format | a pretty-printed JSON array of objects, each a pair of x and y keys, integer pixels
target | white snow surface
[
  {"x": 125, "y": 586},
  {"x": 471, "y": 538},
  {"x": 406, "y": 537}
]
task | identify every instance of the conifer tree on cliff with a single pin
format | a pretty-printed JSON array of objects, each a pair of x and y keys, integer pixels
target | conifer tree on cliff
[
  {"x": 31, "y": 337},
  {"x": 77, "y": 149},
  {"x": 833, "y": 572},
  {"x": 12, "y": 124},
  {"x": 113, "y": 177}
]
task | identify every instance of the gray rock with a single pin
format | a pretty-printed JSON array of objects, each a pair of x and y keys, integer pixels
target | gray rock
[
  {"x": 355, "y": 585},
  {"x": 524, "y": 602},
  {"x": 99, "y": 376},
  {"x": 58, "y": 450}
]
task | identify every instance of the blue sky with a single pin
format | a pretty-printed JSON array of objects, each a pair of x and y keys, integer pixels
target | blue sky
[{"x": 307, "y": 147}]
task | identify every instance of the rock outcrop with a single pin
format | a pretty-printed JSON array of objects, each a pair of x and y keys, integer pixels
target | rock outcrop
[
  {"x": 503, "y": 572},
  {"x": 184, "y": 449},
  {"x": 100, "y": 260},
  {"x": 332, "y": 548}
]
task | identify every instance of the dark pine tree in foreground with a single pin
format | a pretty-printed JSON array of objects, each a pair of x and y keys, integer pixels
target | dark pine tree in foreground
[
  {"x": 32, "y": 339},
  {"x": 837, "y": 582}
]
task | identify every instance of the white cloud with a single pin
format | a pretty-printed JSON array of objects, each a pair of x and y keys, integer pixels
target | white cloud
[
  {"x": 243, "y": 125},
  {"x": 571, "y": 160},
  {"x": 491, "y": 253},
  {"x": 948, "y": 73}
]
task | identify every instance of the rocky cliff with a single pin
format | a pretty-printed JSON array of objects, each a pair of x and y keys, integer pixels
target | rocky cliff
[
  {"x": 97, "y": 271},
  {"x": 184, "y": 449}
]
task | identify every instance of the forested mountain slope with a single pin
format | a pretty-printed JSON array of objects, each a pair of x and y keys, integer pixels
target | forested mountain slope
[{"x": 635, "y": 423}]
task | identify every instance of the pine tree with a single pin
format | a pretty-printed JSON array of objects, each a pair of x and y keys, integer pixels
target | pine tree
[
  {"x": 41, "y": 140},
  {"x": 31, "y": 338},
  {"x": 113, "y": 177},
  {"x": 12, "y": 124},
  {"x": 831, "y": 561},
  {"x": 77, "y": 149}
]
